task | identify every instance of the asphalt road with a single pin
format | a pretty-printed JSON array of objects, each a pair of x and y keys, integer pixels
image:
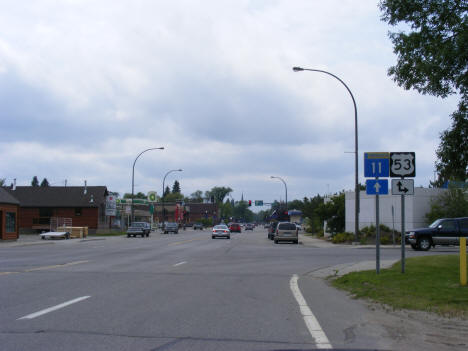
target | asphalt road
[{"x": 185, "y": 292}]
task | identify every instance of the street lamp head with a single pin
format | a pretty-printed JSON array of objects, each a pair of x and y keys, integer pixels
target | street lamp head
[
  {"x": 298, "y": 69},
  {"x": 179, "y": 170}
]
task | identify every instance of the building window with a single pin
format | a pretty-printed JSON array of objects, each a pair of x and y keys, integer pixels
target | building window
[
  {"x": 10, "y": 222},
  {"x": 78, "y": 211}
]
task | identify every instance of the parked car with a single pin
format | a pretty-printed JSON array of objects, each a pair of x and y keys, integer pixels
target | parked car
[
  {"x": 249, "y": 226},
  {"x": 444, "y": 231},
  {"x": 139, "y": 228},
  {"x": 286, "y": 231},
  {"x": 235, "y": 227},
  {"x": 271, "y": 230},
  {"x": 171, "y": 227},
  {"x": 198, "y": 226},
  {"x": 221, "y": 230}
]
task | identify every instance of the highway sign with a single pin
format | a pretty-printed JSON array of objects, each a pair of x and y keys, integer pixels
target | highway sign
[
  {"x": 376, "y": 164},
  {"x": 402, "y": 164},
  {"x": 258, "y": 202},
  {"x": 377, "y": 186},
  {"x": 402, "y": 187}
]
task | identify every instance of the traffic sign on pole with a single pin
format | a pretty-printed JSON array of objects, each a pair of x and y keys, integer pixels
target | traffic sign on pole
[
  {"x": 258, "y": 202},
  {"x": 376, "y": 164},
  {"x": 377, "y": 186},
  {"x": 402, "y": 164},
  {"x": 402, "y": 187}
]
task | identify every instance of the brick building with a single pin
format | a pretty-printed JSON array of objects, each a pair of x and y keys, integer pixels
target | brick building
[
  {"x": 9, "y": 207},
  {"x": 39, "y": 205}
]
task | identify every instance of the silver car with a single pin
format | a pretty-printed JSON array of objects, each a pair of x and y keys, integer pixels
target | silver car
[
  {"x": 221, "y": 231},
  {"x": 286, "y": 231}
]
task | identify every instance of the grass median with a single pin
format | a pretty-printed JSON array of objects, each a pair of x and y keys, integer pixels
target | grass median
[{"x": 430, "y": 283}]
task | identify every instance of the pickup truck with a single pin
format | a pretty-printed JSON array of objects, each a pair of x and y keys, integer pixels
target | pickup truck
[
  {"x": 444, "y": 231},
  {"x": 139, "y": 228}
]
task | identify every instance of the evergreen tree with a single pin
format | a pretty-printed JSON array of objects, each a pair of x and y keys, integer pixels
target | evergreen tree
[
  {"x": 176, "y": 188},
  {"x": 35, "y": 181},
  {"x": 44, "y": 182}
]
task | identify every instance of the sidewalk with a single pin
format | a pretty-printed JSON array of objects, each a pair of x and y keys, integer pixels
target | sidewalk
[
  {"x": 320, "y": 243},
  {"x": 35, "y": 239}
]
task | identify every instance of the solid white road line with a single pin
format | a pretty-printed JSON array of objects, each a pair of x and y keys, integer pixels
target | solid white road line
[
  {"x": 179, "y": 264},
  {"x": 311, "y": 322},
  {"x": 54, "y": 308}
]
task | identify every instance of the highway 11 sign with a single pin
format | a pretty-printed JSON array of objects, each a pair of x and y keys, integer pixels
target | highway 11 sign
[{"x": 376, "y": 164}]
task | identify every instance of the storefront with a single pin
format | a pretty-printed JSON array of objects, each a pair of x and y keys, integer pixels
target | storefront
[{"x": 9, "y": 208}]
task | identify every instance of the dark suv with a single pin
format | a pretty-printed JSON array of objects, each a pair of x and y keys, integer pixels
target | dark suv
[
  {"x": 444, "y": 231},
  {"x": 272, "y": 230}
]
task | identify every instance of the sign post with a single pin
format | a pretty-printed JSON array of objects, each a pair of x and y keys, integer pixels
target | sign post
[
  {"x": 376, "y": 164},
  {"x": 403, "y": 164}
]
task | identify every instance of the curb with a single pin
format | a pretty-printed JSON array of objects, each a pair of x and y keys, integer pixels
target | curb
[{"x": 345, "y": 268}]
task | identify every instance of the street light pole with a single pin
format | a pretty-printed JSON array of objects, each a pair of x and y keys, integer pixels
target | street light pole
[
  {"x": 356, "y": 173},
  {"x": 133, "y": 175},
  {"x": 162, "y": 196},
  {"x": 285, "y": 188}
]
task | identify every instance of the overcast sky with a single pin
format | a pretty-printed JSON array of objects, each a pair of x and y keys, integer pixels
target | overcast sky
[{"x": 87, "y": 85}]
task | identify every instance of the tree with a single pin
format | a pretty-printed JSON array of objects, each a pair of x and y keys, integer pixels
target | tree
[
  {"x": 450, "y": 204},
  {"x": 218, "y": 193},
  {"x": 197, "y": 196},
  {"x": 35, "y": 181},
  {"x": 176, "y": 187},
  {"x": 333, "y": 212},
  {"x": 452, "y": 152},
  {"x": 2, "y": 181},
  {"x": 167, "y": 191},
  {"x": 433, "y": 59},
  {"x": 44, "y": 182},
  {"x": 138, "y": 195}
]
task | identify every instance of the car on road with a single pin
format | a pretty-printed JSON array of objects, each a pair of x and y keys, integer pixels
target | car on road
[
  {"x": 249, "y": 226},
  {"x": 221, "y": 231},
  {"x": 235, "y": 227},
  {"x": 271, "y": 230},
  {"x": 444, "y": 231},
  {"x": 171, "y": 227},
  {"x": 286, "y": 231},
  {"x": 198, "y": 226},
  {"x": 139, "y": 228}
]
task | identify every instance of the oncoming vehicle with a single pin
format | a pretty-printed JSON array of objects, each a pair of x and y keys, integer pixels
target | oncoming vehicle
[
  {"x": 221, "y": 230},
  {"x": 249, "y": 226},
  {"x": 171, "y": 227},
  {"x": 198, "y": 226},
  {"x": 139, "y": 228},
  {"x": 286, "y": 231}
]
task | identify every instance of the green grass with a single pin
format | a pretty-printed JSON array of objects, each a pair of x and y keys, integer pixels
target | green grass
[{"x": 430, "y": 283}]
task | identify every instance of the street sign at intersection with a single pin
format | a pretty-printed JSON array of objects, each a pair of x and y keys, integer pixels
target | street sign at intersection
[
  {"x": 376, "y": 164},
  {"x": 377, "y": 186},
  {"x": 402, "y": 187},
  {"x": 402, "y": 164}
]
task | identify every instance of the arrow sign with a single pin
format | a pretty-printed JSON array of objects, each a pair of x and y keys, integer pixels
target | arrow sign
[
  {"x": 402, "y": 187},
  {"x": 377, "y": 186}
]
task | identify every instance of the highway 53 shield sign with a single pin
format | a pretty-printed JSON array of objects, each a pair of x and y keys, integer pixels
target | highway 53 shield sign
[{"x": 402, "y": 164}]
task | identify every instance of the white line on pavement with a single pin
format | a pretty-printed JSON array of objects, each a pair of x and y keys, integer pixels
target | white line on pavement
[
  {"x": 179, "y": 264},
  {"x": 311, "y": 322},
  {"x": 54, "y": 308}
]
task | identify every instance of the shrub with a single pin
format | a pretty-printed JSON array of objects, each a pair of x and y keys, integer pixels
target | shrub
[{"x": 342, "y": 238}]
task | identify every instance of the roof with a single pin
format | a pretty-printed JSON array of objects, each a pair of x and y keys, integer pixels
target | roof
[
  {"x": 59, "y": 196},
  {"x": 7, "y": 198}
]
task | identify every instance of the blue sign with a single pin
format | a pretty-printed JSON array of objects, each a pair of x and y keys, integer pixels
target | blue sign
[
  {"x": 377, "y": 186},
  {"x": 376, "y": 164}
]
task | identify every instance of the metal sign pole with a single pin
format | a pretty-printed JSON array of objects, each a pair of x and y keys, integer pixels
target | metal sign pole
[
  {"x": 402, "y": 233},
  {"x": 377, "y": 235}
]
